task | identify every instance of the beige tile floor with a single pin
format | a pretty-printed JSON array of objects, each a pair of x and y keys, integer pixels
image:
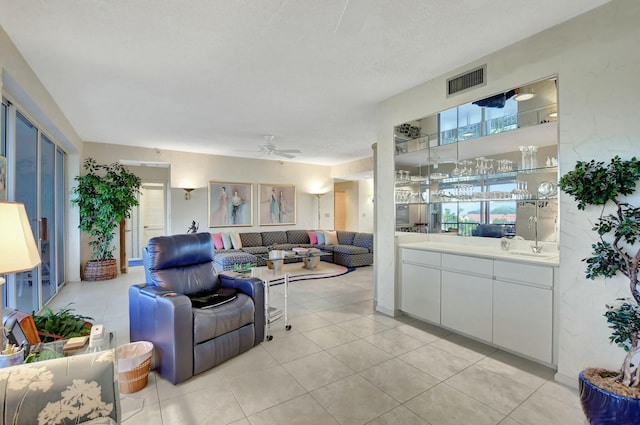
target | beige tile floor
[{"x": 340, "y": 364}]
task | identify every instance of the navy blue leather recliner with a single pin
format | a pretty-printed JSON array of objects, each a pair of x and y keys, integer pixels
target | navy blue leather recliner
[{"x": 190, "y": 340}]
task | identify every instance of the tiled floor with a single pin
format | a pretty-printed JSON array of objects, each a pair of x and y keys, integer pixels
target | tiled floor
[{"x": 340, "y": 364}]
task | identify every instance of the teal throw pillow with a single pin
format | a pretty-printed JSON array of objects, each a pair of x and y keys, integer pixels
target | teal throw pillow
[{"x": 226, "y": 240}]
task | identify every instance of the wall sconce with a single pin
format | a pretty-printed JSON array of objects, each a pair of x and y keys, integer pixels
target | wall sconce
[{"x": 187, "y": 193}]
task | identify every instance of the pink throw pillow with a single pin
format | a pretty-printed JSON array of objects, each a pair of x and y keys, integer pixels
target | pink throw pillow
[
  {"x": 217, "y": 240},
  {"x": 313, "y": 238}
]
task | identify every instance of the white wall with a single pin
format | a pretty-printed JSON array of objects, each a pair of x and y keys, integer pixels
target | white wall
[
  {"x": 196, "y": 170},
  {"x": 21, "y": 85},
  {"x": 596, "y": 60},
  {"x": 366, "y": 197}
]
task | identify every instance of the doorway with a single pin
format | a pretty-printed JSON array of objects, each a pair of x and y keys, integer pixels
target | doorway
[
  {"x": 340, "y": 210},
  {"x": 147, "y": 220}
]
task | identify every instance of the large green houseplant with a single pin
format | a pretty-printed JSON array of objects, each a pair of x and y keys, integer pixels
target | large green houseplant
[
  {"x": 616, "y": 251},
  {"x": 105, "y": 195}
]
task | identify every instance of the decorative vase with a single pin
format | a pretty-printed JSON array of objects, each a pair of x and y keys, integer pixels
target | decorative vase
[
  {"x": 606, "y": 408},
  {"x": 100, "y": 270},
  {"x": 13, "y": 359}
]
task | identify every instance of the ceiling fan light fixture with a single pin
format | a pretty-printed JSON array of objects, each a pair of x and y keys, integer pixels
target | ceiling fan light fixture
[{"x": 524, "y": 95}]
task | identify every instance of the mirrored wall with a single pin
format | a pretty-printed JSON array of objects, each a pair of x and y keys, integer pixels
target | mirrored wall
[{"x": 487, "y": 168}]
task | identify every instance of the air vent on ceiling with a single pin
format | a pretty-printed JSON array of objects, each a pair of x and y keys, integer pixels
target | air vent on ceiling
[{"x": 467, "y": 81}]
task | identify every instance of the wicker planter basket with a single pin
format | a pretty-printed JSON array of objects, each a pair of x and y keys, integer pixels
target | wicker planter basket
[
  {"x": 134, "y": 362},
  {"x": 100, "y": 270}
]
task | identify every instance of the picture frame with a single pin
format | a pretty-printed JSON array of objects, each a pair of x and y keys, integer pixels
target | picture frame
[
  {"x": 230, "y": 204},
  {"x": 277, "y": 204}
]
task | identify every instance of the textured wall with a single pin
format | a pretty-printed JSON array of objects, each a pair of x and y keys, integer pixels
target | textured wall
[{"x": 595, "y": 58}]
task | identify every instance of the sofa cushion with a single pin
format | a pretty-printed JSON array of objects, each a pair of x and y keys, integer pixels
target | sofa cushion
[
  {"x": 313, "y": 238},
  {"x": 225, "y": 260},
  {"x": 353, "y": 260},
  {"x": 226, "y": 239},
  {"x": 251, "y": 239},
  {"x": 235, "y": 240},
  {"x": 297, "y": 237},
  {"x": 273, "y": 238},
  {"x": 350, "y": 249},
  {"x": 256, "y": 250},
  {"x": 72, "y": 390},
  {"x": 320, "y": 235},
  {"x": 217, "y": 240},
  {"x": 212, "y": 322},
  {"x": 364, "y": 240},
  {"x": 345, "y": 238},
  {"x": 284, "y": 246},
  {"x": 330, "y": 237}
]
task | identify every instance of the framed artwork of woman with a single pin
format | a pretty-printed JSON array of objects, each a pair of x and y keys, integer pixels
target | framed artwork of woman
[
  {"x": 277, "y": 204},
  {"x": 230, "y": 204}
]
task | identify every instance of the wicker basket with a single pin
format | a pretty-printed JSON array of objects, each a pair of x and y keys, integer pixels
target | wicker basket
[
  {"x": 134, "y": 380},
  {"x": 100, "y": 270},
  {"x": 134, "y": 362}
]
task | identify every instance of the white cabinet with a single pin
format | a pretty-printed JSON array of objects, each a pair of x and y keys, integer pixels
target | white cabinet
[
  {"x": 420, "y": 291},
  {"x": 523, "y": 313},
  {"x": 467, "y": 304},
  {"x": 505, "y": 303}
]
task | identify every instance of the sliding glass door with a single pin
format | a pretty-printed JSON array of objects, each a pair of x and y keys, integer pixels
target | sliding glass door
[
  {"x": 39, "y": 185},
  {"x": 47, "y": 217},
  {"x": 26, "y": 191}
]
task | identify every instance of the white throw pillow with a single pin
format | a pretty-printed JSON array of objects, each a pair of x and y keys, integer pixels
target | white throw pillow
[
  {"x": 235, "y": 240},
  {"x": 330, "y": 237}
]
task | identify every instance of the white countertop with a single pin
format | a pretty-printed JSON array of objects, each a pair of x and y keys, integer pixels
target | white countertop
[{"x": 520, "y": 251}]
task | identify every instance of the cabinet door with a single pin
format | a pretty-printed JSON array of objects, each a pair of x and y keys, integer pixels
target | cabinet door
[
  {"x": 421, "y": 292},
  {"x": 522, "y": 319},
  {"x": 467, "y": 304}
]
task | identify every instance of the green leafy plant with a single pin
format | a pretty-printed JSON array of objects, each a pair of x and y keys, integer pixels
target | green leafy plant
[
  {"x": 105, "y": 196},
  {"x": 64, "y": 323},
  {"x": 243, "y": 267},
  {"x": 599, "y": 184}
]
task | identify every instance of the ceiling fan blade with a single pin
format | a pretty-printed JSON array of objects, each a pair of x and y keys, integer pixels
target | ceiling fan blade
[
  {"x": 353, "y": 16},
  {"x": 285, "y": 155}
]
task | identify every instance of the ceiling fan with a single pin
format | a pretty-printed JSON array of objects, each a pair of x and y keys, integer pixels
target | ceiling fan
[{"x": 269, "y": 149}]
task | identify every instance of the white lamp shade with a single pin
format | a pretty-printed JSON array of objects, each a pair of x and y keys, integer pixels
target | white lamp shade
[{"x": 18, "y": 251}]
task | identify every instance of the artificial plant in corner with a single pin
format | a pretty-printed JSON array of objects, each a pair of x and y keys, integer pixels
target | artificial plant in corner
[
  {"x": 105, "y": 196},
  {"x": 617, "y": 250}
]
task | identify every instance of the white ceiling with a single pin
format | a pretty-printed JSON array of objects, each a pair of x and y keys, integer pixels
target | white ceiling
[{"x": 214, "y": 76}]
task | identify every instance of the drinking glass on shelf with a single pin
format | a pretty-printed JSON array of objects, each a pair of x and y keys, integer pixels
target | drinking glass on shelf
[
  {"x": 456, "y": 171},
  {"x": 480, "y": 165},
  {"x": 520, "y": 192},
  {"x": 524, "y": 158},
  {"x": 466, "y": 164},
  {"x": 532, "y": 152},
  {"x": 488, "y": 168}
]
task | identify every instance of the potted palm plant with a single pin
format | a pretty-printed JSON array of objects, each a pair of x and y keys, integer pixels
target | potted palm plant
[
  {"x": 105, "y": 195},
  {"x": 63, "y": 324},
  {"x": 612, "y": 397}
]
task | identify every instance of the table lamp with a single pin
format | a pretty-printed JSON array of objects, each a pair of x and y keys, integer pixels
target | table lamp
[{"x": 18, "y": 251}]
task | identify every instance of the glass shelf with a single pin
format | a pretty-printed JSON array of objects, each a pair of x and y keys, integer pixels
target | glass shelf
[{"x": 476, "y": 177}]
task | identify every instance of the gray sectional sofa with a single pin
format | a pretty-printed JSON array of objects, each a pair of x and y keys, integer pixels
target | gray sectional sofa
[{"x": 354, "y": 249}]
